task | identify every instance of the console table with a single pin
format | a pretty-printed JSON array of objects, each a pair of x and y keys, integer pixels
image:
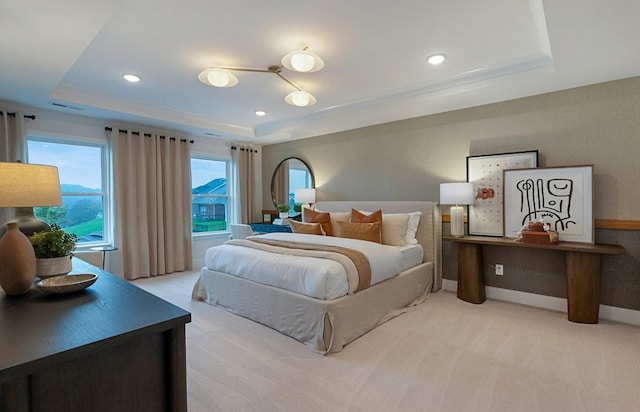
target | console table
[
  {"x": 583, "y": 263},
  {"x": 110, "y": 347}
]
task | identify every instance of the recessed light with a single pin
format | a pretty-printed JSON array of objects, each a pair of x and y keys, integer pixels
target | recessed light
[
  {"x": 436, "y": 59},
  {"x": 131, "y": 78},
  {"x": 260, "y": 113}
]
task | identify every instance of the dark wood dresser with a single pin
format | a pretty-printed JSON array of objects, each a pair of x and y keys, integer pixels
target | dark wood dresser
[{"x": 110, "y": 347}]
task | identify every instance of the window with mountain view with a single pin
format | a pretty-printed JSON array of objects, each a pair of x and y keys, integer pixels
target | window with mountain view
[
  {"x": 210, "y": 199},
  {"x": 82, "y": 183}
]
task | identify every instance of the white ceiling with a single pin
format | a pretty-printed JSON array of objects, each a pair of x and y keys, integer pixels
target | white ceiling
[{"x": 74, "y": 52}]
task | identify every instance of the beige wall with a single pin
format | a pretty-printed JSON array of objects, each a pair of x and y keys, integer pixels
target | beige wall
[{"x": 407, "y": 160}]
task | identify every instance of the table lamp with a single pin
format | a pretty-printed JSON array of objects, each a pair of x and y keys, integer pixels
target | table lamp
[
  {"x": 456, "y": 194},
  {"x": 23, "y": 186},
  {"x": 305, "y": 196}
]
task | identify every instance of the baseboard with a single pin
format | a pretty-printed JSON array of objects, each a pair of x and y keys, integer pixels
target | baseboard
[{"x": 611, "y": 313}]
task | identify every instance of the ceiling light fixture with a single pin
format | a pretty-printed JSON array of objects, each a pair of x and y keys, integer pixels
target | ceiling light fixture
[
  {"x": 436, "y": 59},
  {"x": 132, "y": 78},
  {"x": 260, "y": 113},
  {"x": 302, "y": 60}
]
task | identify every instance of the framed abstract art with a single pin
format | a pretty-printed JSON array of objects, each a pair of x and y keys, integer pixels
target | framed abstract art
[
  {"x": 485, "y": 172},
  {"x": 561, "y": 196}
]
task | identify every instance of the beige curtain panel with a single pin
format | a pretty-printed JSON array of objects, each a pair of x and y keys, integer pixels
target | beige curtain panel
[
  {"x": 243, "y": 163},
  {"x": 152, "y": 194}
]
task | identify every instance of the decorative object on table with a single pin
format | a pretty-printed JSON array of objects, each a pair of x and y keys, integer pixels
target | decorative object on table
[
  {"x": 283, "y": 210},
  {"x": 305, "y": 196},
  {"x": 53, "y": 248},
  {"x": 67, "y": 284},
  {"x": 456, "y": 194},
  {"x": 18, "y": 268},
  {"x": 23, "y": 186},
  {"x": 538, "y": 232},
  {"x": 485, "y": 172},
  {"x": 562, "y": 196}
]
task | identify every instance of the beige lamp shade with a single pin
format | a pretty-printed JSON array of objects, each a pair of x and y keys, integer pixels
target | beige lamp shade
[
  {"x": 305, "y": 195},
  {"x": 27, "y": 185}
]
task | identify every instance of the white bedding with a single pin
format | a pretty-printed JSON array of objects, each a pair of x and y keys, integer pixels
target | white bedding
[{"x": 314, "y": 277}]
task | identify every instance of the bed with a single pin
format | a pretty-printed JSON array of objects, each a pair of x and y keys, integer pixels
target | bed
[{"x": 326, "y": 323}]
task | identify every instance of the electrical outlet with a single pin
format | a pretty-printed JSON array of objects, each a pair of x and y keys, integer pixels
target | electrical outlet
[{"x": 499, "y": 269}]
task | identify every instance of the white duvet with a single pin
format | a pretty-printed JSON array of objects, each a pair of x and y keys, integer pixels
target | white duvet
[{"x": 316, "y": 277}]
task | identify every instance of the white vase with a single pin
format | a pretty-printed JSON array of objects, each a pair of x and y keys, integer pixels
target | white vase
[
  {"x": 283, "y": 215},
  {"x": 48, "y": 267},
  {"x": 18, "y": 267}
]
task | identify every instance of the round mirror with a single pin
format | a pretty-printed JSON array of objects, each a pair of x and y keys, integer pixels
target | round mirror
[{"x": 290, "y": 174}]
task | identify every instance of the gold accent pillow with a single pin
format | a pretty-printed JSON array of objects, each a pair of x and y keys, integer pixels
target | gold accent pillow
[
  {"x": 362, "y": 231},
  {"x": 306, "y": 228},
  {"x": 311, "y": 216}
]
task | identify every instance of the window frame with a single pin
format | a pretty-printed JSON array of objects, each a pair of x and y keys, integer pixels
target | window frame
[
  {"x": 228, "y": 196},
  {"x": 105, "y": 181}
]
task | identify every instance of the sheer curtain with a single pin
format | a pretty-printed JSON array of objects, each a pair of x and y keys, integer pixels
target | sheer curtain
[
  {"x": 13, "y": 140},
  {"x": 152, "y": 194},
  {"x": 245, "y": 183}
]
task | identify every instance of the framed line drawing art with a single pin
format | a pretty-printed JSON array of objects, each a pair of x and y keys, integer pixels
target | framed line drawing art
[
  {"x": 485, "y": 172},
  {"x": 562, "y": 196}
]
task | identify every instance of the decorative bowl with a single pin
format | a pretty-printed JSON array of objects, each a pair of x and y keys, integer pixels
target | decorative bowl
[{"x": 67, "y": 283}]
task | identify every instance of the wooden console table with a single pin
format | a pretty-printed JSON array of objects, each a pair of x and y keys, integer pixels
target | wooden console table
[
  {"x": 110, "y": 347},
  {"x": 583, "y": 263}
]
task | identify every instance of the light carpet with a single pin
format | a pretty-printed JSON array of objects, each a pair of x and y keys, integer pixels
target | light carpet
[{"x": 444, "y": 355}]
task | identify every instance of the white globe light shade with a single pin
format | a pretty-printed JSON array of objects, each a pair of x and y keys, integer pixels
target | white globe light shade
[
  {"x": 300, "y": 98},
  {"x": 302, "y": 61},
  {"x": 218, "y": 78}
]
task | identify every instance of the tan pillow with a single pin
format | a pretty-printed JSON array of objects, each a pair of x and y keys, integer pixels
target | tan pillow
[
  {"x": 362, "y": 231},
  {"x": 306, "y": 228},
  {"x": 311, "y": 216},
  {"x": 338, "y": 216},
  {"x": 359, "y": 217},
  {"x": 394, "y": 229}
]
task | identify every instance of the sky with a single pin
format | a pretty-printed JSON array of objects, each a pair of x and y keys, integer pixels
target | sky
[{"x": 79, "y": 165}]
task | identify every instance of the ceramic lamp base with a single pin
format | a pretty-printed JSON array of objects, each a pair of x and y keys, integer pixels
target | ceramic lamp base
[
  {"x": 18, "y": 268},
  {"x": 457, "y": 221}
]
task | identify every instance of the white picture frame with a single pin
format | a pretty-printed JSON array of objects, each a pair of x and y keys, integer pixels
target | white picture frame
[
  {"x": 562, "y": 196},
  {"x": 485, "y": 172}
]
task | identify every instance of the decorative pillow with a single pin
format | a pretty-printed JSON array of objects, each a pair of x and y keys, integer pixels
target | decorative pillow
[
  {"x": 390, "y": 232},
  {"x": 324, "y": 218},
  {"x": 336, "y": 217},
  {"x": 394, "y": 229},
  {"x": 362, "y": 231},
  {"x": 306, "y": 228},
  {"x": 359, "y": 217}
]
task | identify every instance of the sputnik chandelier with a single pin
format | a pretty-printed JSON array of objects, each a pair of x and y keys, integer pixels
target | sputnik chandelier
[{"x": 303, "y": 61}]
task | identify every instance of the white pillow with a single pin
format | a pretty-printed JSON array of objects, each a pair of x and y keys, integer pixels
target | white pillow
[{"x": 411, "y": 228}]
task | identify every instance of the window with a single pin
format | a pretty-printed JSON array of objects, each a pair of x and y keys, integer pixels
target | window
[
  {"x": 210, "y": 198},
  {"x": 81, "y": 168}
]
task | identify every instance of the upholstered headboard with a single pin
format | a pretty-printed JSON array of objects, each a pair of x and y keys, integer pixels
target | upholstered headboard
[{"x": 429, "y": 234}]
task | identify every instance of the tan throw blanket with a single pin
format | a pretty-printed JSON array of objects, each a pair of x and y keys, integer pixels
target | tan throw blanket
[{"x": 355, "y": 262}]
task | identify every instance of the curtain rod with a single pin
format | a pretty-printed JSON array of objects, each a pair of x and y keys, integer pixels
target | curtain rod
[
  {"x": 248, "y": 149},
  {"x": 26, "y": 116},
  {"x": 147, "y": 134}
]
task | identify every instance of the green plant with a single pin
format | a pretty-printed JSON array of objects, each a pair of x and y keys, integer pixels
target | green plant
[
  {"x": 297, "y": 207},
  {"x": 53, "y": 242},
  {"x": 283, "y": 207}
]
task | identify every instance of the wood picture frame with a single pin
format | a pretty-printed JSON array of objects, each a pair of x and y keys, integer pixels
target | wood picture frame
[
  {"x": 562, "y": 196},
  {"x": 485, "y": 172}
]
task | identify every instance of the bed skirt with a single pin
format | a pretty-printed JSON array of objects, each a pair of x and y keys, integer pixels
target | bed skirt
[{"x": 325, "y": 326}]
